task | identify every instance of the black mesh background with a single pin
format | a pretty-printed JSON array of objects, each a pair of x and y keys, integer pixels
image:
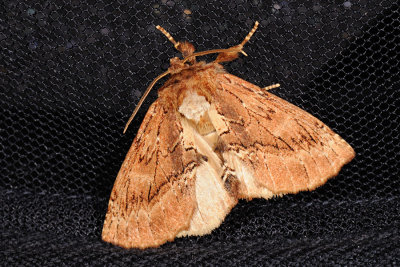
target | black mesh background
[{"x": 71, "y": 73}]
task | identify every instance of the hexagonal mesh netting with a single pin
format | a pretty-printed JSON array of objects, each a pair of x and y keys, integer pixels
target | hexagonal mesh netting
[{"x": 71, "y": 73}]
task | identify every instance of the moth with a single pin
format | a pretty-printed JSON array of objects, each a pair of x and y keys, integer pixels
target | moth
[{"x": 209, "y": 140}]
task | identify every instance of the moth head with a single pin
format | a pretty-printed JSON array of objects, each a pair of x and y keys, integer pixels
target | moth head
[
  {"x": 186, "y": 48},
  {"x": 189, "y": 58}
]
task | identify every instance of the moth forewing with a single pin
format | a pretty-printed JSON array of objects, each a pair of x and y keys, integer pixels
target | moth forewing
[{"x": 210, "y": 139}]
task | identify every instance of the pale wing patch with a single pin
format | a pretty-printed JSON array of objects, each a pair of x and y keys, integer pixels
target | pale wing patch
[
  {"x": 287, "y": 149},
  {"x": 213, "y": 202},
  {"x": 203, "y": 144},
  {"x": 194, "y": 106},
  {"x": 249, "y": 187}
]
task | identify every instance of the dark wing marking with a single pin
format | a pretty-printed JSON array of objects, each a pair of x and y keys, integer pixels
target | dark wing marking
[
  {"x": 153, "y": 197},
  {"x": 287, "y": 149}
]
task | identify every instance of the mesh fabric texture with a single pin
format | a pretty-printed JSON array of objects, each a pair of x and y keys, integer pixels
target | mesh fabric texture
[{"x": 71, "y": 73}]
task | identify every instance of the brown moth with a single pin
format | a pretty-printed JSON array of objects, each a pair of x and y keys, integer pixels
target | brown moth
[{"x": 210, "y": 139}]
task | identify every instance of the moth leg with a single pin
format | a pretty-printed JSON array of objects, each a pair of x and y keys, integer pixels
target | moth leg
[
  {"x": 223, "y": 54},
  {"x": 247, "y": 38},
  {"x": 271, "y": 86},
  {"x": 233, "y": 52}
]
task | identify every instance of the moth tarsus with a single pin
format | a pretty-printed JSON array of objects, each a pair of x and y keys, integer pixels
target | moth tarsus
[
  {"x": 210, "y": 139},
  {"x": 273, "y": 86}
]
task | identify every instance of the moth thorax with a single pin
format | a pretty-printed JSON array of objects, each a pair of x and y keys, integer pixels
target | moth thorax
[{"x": 194, "y": 106}]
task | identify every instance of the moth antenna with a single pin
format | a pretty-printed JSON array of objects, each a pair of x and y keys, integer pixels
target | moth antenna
[
  {"x": 271, "y": 86},
  {"x": 170, "y": 38},
  {"x": 237, "y": 48},
  {"x": 247, "y": 38},
  {"x": 143, "y": 98}
]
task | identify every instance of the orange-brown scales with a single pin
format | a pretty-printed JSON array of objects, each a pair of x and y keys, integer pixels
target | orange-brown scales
[{"x": 210, "y": 139}]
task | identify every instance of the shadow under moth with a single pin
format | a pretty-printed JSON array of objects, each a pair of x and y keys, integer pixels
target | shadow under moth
[{"x": 210, "y": 139}]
